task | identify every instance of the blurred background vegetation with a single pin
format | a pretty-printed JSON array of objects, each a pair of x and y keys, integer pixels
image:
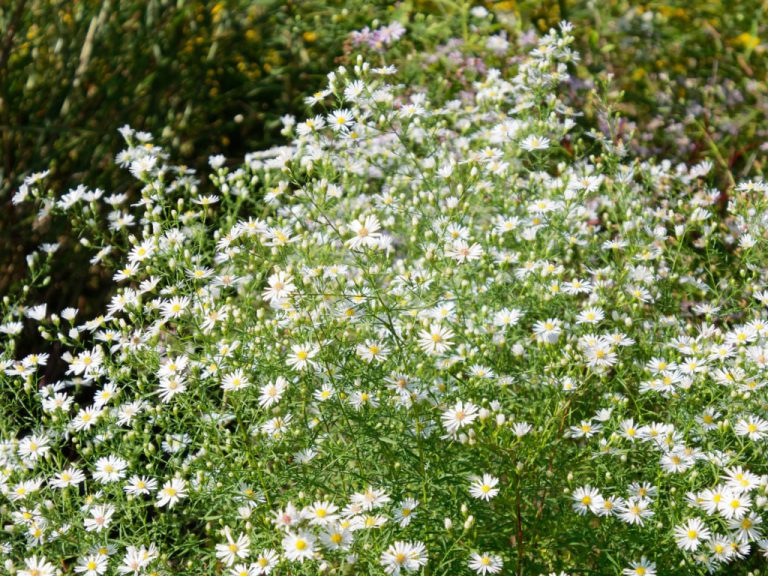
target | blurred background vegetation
[
  {"x": 203, "y": 77},
  {"x": 215, "y": 77}
]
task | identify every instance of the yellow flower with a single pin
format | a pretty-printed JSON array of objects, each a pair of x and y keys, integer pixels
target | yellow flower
[{"x": 747, "y": 40}]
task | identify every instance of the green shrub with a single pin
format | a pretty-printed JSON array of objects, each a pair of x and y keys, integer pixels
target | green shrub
[{"x": 447, "y": 328}]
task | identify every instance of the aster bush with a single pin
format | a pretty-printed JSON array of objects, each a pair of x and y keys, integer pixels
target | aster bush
[{"x": 447, "y": 329}]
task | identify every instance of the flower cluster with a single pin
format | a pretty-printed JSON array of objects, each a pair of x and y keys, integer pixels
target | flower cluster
[
  {"x": 454, "y": 330},
  {"x": 380, "y": 38}
]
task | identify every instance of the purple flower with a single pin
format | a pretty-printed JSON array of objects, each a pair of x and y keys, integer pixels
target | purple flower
[{"x": 380, "y": 38}]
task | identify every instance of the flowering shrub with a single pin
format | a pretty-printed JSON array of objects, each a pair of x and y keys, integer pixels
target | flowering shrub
[{"x": 440, "y": 332}]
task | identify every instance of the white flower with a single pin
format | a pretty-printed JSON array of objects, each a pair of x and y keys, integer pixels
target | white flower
[
  {"x": 277, "y": 426},
  {"x": 137, "y": 558},
  {"x": 754, "y": 427},
  {"x": 463, "y": 252},
  {"x": 324, "y": 393},
  {"x": 590, "y": 316},
  {"x": 405, "y": 556},
  {"x": 691, "y": 534},
  {"x": 171, "y": 492},
  {"x": 301, "y": 356},
  {"x": 635, "y": 511},
  {"x": 369, "y": 499},
  {"x": 485, "y": 563},
  {"x": 310, "y": 125},
  {"x": 460, "y": 415},
  {"x": 534, "y": 142},
  {"x": 720, "y": 548},
  {"x": 405, "y": 512},
  {"x": 587, "y": 499},
  {"x": 341, "y": 120},
  {"x": 110, "y": 469},
  {"x": 272, "y": 392},
  {"x": 520, "y": 429},
  {"x": 140, "y": 485},
  {"x": 170, "y": 386},
  {"x": 69, "y": 477},
  {"x": 142, "y": 167},
  {"x": 747, "y": 529},
  {"x": 366, "y": 233},
  {"x": 216, "y": 161},
  {"x": 235, "y": 381},
  {"x": 266, "y": 561},
  {"x": 280, "y": 287},
  {"x": 484, "y": 488},
  {"x": 22, "y": 489},
  {"x": 37, "y": 567},
  {"x": 548, "y": 331},
  {"x": 507, "y": 317},
  {"x": 361, "y": 398},
  {"x": 243, "y": 570},
  {"x": 642, "y": 568},
  {"x": 92, "y": 565},
  {"x": 232, "y": 549},
  {"x": 101, "y": 518},
  {"x": 354, "y": 90},
  {"x": 175, "y": 307},
  {"x": 321, "y": 513},
  {"x": 36, "y": 312},
  {"x": 734, "y": 505},
  {"x": 286, "y": 517},
  {"x": 436, "y": 340},
  {"x": 141, "y": 252},
  {"x": 372, "y": 351},
  {"x": 738, "y": 479},
  {"x": 33, "y": 447},
  {"x": 337, "y": 537},
  {"x": 298, "y": 547}
]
